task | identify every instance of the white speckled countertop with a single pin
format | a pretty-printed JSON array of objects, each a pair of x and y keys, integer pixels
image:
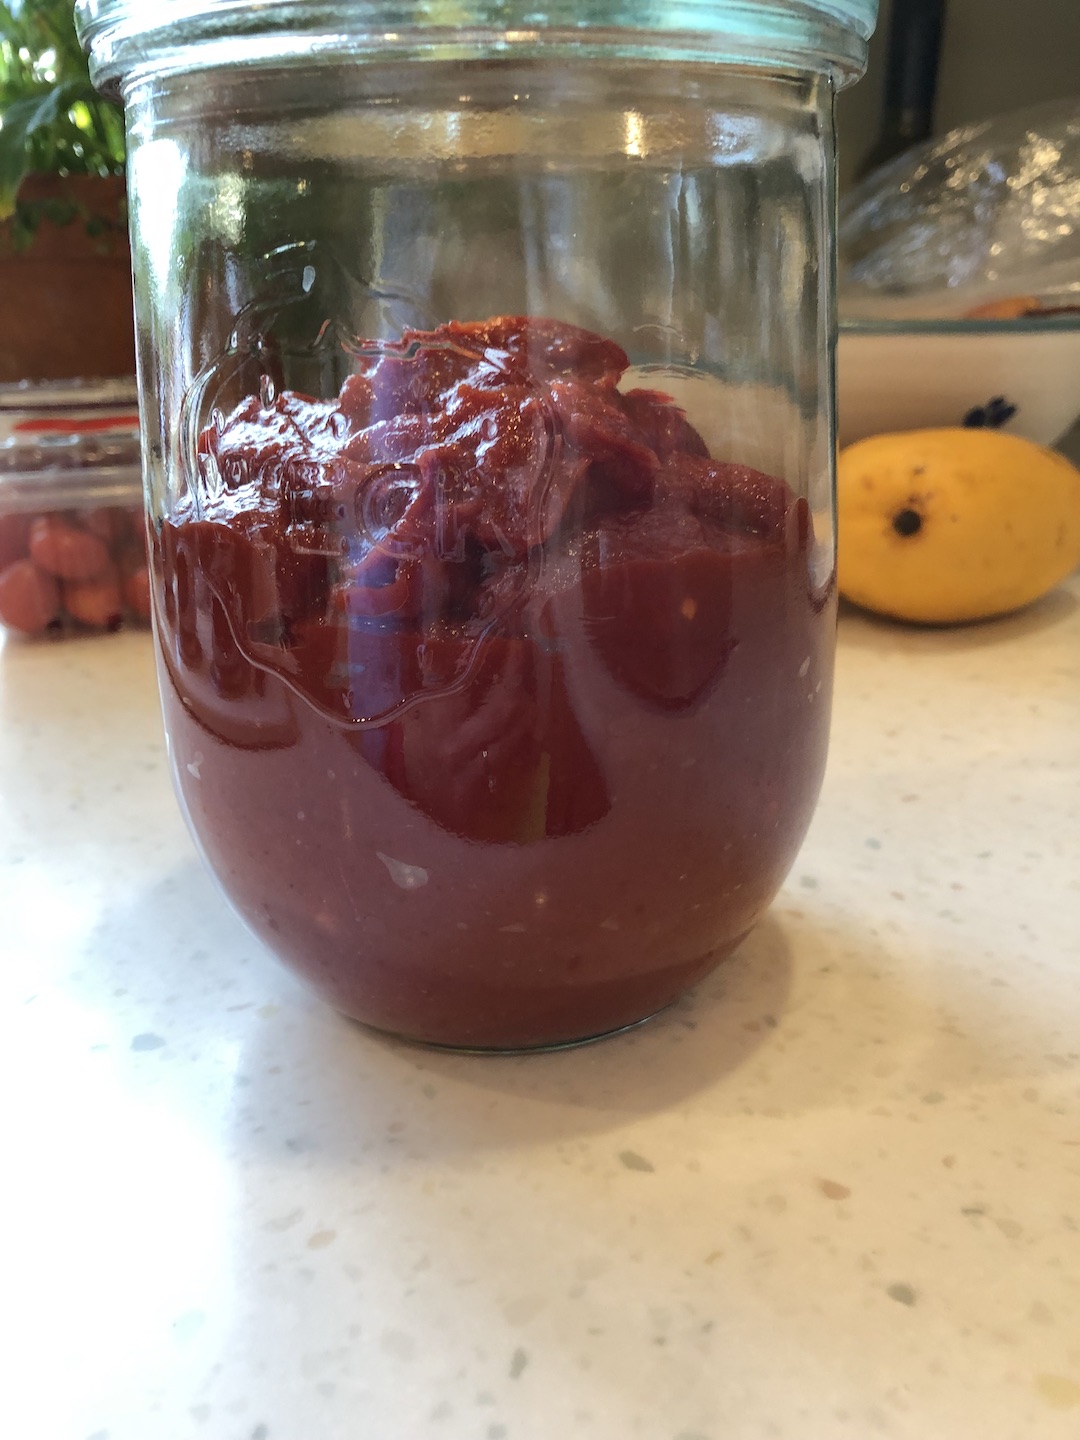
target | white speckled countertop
[{"x": 836, "y": 1194}]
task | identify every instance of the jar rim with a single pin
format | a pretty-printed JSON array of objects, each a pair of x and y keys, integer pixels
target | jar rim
[{"x": 129, "y": 39}]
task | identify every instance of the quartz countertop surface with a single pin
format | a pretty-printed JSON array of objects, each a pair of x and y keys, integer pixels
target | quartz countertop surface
[{"x": 835, "y": 1193}]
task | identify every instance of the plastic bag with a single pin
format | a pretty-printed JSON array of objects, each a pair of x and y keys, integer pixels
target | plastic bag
[{"x": 984, "y": 220}]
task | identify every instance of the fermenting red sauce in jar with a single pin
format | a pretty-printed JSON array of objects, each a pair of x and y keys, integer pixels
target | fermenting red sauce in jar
[{"x": 498, "y": 705}]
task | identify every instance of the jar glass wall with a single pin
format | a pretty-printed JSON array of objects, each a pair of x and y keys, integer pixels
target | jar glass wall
[{"x": 488, "y": 422}]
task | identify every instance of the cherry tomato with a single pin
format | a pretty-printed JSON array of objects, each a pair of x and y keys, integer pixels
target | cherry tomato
[
  {"x": 14, "y": 538},
  {"x": 97, "y": 603},
  {"x": 108, "y": 523},
  {"x": 66, "y": 552},
  {"x": 29, "y": 598},
  {"x": 136, "y": 518},
  {"x": 137, "y": 592}
]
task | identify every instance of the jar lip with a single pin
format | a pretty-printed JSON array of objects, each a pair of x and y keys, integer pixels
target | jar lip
[{"x": 129, "y": 38}]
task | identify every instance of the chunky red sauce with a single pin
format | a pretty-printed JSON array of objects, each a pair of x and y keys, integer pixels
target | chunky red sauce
[{"x": 498, "y": 707}]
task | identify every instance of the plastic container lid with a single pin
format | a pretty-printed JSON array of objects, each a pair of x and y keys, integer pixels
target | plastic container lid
[
  {"x": 69, "y": 445},
  {"x": 129, "y": 39}
]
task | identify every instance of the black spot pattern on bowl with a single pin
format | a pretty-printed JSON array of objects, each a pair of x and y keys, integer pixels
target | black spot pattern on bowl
[{"x": 991, "y": 416}]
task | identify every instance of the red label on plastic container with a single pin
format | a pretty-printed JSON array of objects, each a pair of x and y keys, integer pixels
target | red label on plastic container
[{"x": 76, "y": 427}]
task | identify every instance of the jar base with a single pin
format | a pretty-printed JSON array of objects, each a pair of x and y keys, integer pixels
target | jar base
[
  {"x": 520, "y": 1030},
  {"x": 541, "y": 1047}
]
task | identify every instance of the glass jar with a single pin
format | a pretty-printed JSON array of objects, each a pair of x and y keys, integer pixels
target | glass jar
[{"x": 486, "y": 369}]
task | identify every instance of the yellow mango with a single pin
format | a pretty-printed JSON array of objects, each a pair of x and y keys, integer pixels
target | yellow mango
[{"x": 956, "y": 524}]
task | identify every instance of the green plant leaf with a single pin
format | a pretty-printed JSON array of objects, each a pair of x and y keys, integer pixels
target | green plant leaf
[
  {"x": 38, "y": 132},
  {"x": 20, "y": 122},
  {"x": 11, "y": 28},
  {"x": 51, "y": 118}
]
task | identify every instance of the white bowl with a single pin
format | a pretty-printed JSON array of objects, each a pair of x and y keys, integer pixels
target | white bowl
[{"x": 911, "y": 374}]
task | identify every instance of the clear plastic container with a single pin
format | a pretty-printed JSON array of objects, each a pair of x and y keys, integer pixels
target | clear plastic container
[
  {"x": 487, "y": 395},
  {"x": 72, "y": 529}
]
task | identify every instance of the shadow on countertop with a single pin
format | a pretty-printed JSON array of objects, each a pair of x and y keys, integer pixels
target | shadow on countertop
[
  {"x": 181, "y": 969},
  {"x": 238, "y": 1047},
  {"x": 865, "y": 630}
]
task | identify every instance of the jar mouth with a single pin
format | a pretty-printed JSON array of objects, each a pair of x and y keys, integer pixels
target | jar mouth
[{"x": 130, "y": 40}]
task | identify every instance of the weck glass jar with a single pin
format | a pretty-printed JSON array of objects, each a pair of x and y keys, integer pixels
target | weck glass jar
[{"x": 486, "y": 367}]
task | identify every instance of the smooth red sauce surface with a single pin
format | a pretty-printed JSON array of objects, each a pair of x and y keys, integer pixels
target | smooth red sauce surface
[{"x": 498, "y": 707}]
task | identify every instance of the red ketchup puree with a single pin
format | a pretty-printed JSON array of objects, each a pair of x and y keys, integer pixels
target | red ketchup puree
[{"x": 498, "y": 707}]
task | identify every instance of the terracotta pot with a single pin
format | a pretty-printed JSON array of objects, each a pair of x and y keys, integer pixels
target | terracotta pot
[{"x": 65, "y": 300}]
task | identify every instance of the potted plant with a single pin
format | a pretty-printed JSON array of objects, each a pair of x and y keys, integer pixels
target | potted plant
[{"x": 65, "y": 286}]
